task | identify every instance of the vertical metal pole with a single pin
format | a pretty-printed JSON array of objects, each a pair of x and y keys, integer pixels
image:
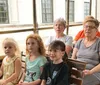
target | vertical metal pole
[
  {"x": 7, "y": 11},
  {"x": 67, "y": 22},
  {"x": 34, "y": 17},
  {"x": 90, "y": 10},
  {"x": 96, "y": 9}
]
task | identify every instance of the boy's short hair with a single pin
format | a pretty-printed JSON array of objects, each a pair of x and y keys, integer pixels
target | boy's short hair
[{"x": 57, "y": 45}]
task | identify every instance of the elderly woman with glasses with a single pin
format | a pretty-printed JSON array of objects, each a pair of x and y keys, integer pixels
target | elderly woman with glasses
[{"x": 88, "y": 50}]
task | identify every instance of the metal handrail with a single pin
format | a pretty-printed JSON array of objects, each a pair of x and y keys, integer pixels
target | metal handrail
[{"x": 31, "y": 28}]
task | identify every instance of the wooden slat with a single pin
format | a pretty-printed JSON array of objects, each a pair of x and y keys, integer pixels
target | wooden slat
[
  {"x": 23, "y": 63},
  {"x": 76, "y": 81},
  {"x": 77, "y": 64},
  {"x": 76, "y": 71},
  {"x": 1, "y": 58}
]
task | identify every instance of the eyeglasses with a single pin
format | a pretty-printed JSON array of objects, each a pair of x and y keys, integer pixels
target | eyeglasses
[{"x": 91, "y": 27}]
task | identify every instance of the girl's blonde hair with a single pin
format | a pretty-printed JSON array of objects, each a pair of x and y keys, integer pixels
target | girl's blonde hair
[
  {"x": 13, "y": 42},
  {"x": 39, "y": 41}
]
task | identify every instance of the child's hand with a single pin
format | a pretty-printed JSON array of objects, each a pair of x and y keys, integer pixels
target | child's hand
[
  {"x": 24, "y": 83},
  {"x": 20, "y": 82},
  {"x": 3, "y": 82},
  {"x": 87, "y": 72}
]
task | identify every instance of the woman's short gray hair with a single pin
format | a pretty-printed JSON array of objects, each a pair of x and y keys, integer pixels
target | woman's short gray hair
[{"x": 61, "y": 20}]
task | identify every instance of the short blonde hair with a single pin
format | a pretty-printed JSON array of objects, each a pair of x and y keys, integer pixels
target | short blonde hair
[
  {"x": 90, "y": 18},
  {"x": 61, "y": 20},
  {"x": 13, "y": 42}
]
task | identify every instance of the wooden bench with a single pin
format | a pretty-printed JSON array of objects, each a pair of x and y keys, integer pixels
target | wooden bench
[
  {"x": 23, "y": 63},
  {"x": 1, "y": 58},
  {"x": 76, "y": 68}
]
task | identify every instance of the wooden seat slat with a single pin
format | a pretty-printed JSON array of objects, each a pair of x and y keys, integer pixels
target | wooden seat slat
[{"x": 76, "y": 81}]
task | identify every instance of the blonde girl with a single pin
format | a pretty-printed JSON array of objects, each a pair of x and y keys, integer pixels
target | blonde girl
[
  {"x": 11, "y": 64},
  {"x": 34, "y": 61}
]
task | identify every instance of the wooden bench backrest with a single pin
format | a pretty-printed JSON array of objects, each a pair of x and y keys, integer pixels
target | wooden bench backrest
[
  {"x": 23, "y": 64},
  {"x": 1, "y": 58},
  {"x": 76, "y": 71}
]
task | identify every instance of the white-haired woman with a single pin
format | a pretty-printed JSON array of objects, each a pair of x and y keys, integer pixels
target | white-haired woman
[{"x": 59, "y": 27}]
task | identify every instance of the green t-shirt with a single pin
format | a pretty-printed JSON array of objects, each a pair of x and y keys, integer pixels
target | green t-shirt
[{"x": 33, "y": 68}]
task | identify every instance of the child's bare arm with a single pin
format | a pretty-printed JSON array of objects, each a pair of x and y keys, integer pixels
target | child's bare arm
[
  {"x": 22, "y": 78},
  {"x": 43, "y": 82},
  {"x": 36, "y": 82},
  {"x": 16, "y": 74}
]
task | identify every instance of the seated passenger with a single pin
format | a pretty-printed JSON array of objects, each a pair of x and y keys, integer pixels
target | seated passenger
[
  {"x": 87, "y": 50},
  {"x": 34, "y": 61},
  {"x": 80, "y": 34},
  {"x": 11, "y": 64},
  {"x": 55, "y": 72},
  {"x": 59, "y": 27}
]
